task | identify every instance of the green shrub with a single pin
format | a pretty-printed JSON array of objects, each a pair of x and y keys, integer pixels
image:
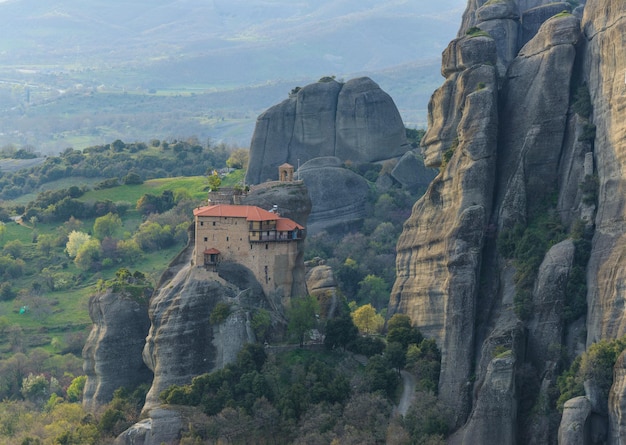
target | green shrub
[
  {"x": 475, "y": 31},
  {"x": 596, "y": 364},
  {"x": 220, "y": 313},
  {"x": 369, "y": 346},
  {"x": 527, "y": 247}
]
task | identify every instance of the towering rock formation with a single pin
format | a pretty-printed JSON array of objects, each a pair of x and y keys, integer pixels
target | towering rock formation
[
  {"x": 514, "y": 149},
  {"x": 443, "y": 238},
  {"x": 604, "y": 27},
  {"x": 355, "y": 121},
  {"x": 112, "y": 352}
]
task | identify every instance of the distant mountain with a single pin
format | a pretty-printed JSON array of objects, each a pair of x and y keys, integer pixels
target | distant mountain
[{"x": 51, "y": 49}]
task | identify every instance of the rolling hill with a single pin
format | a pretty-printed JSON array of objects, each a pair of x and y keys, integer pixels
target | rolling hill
[{"x": 76, "y": 74}]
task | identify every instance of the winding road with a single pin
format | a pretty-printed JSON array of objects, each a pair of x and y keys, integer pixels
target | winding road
[{"x": 408, "y": 393}]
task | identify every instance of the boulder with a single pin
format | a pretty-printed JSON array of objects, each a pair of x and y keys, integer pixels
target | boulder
[
  {"x": 411, "y": 173},
  {"x": 321, "y": 283},
  {"x": 533, "y": 18},
  {"x": 355, "y": 121},
  {"x": 545, "y": 327},
  {"x": 501, "y": 21},
  {"x": 338, "y": 195},
  {"x": 162, "y": 427},
  {"x": 492, "y": 421},
  {"x": 574, "y": 427}
]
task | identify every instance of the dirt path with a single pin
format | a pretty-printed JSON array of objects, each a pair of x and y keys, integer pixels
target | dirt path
[{"x": 408, "y": 393}]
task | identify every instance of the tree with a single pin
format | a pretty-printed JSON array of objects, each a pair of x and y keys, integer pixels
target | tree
[
  {"x": 14, "y": 248},
  {"x": 88, "y": 254},
  {"x": 261, "y": 324},
  {"x": 301, "y": 317},
  {"x": 106, "y": 226},
  {"x": 373, "y": 289},
  {"x": 129, "y": 251},
  {"x": 396, "y": 355},
  {"x": 399, "y": 330},
  {"x": 367, "y": 320},
  {"x": 214, "y": 181},
  {"x": 75, "y": 390},
  {"x": 132, "y": 179},
  {"x": 340, "y": 331},
  {"x": 379, "y": 376},
  {"x": 238, "y": 158},
  {"x": 75, "y": 241},
  {"x": 349, "y": 275},
  {"x": 45, "y": 243}
]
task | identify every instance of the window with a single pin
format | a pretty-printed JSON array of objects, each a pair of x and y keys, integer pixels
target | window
[
  {"x": 267, "y": 246},
  {"x": 227, "y": 239},
  {"x": 201, "y": 223},
  {"x": 213, "y": 222},
  {"x": 206, "y": 239}
]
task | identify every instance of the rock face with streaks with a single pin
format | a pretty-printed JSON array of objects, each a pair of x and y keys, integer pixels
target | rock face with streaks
[
  {"x": 526, "y": 132},
  {"x": 444, "y": 237}
]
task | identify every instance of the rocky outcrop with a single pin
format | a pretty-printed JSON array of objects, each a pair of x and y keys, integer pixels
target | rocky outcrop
[
  {"x": 503, "y": 137},
  {"x": 604, "y": 22},
  {"x": 574, "y": 428},
  {"x": 163, "y": 426},
  {"x": 501, "y": 21},
  {"x": 182, "y": 343},
  {"x": 533, "y": 18},
  {"x": 338, "y": 195},
  {"x": 291, "y": 198},
  {"x": 444, "y": 236},
  {"x": 531, "y": 143},
  {"x": 493, "y": 418},
  {"x": 617, "y": 402},
  {"x": 411, "y": 173},
  {"x": 545, "y": 326},
  {"x": 354, "y": 121},
  {"x": 321, "y": 283},
  {"x": 112, "y": 353}
]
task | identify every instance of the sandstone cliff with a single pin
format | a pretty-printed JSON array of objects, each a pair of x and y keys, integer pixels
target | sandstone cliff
[{"x": 517, "y": 156}]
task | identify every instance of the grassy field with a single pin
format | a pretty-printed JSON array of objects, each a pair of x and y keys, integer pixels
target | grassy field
[
  {"x": 197, "y": 186},
  {"x": 56, "y": 314}
]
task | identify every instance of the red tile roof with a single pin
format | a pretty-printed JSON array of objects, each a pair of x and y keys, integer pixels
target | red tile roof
[
  {"x": 251, "y": 213},
  {"x": 285, "y": 225}
]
